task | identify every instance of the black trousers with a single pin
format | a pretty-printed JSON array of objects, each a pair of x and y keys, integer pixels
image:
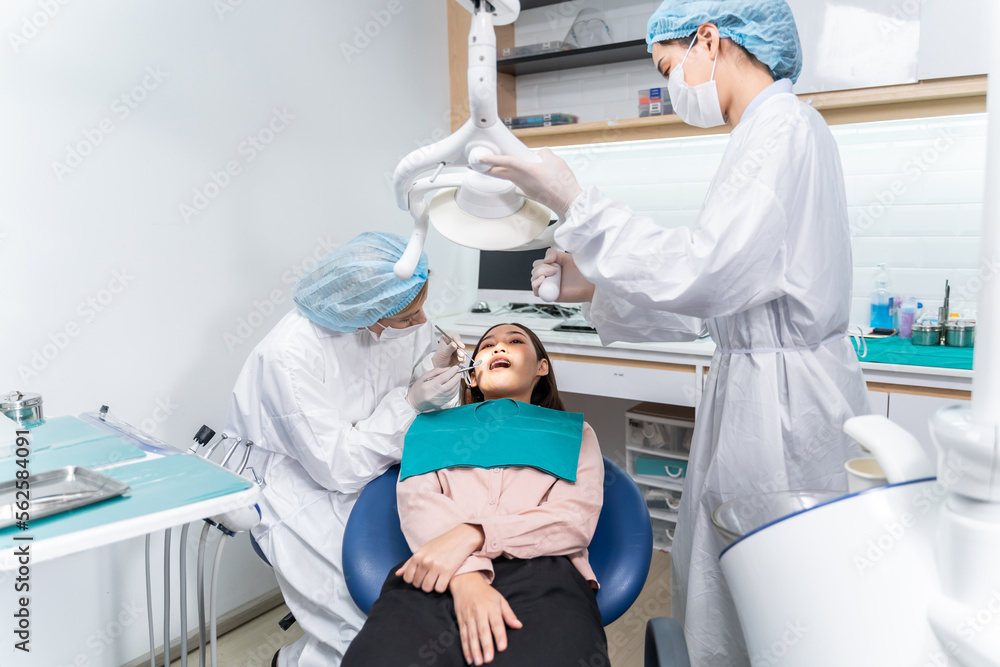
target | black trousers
[{"x": 557, "y": 607}]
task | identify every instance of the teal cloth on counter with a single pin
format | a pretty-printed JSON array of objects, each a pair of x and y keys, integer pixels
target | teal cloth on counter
[
  {"x": 494, "y": 434},
  {"x": 155, "y": 485},
  {"x": 68, "y": 441},
  {"x": 896, "y": 350},
  {"x": 63, "y": 432}
]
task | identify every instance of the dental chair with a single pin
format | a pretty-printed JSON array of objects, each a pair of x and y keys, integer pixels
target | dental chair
[{"x": 619, "y": 553}]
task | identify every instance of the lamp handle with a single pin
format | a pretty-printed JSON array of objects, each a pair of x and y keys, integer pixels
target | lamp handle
[{"x": 549, "y": 290}]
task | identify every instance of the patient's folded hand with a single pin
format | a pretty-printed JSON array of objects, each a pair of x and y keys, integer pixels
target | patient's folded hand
[
  {"x": 483, "y": 616},
  {"x": 434, "y": 564}
]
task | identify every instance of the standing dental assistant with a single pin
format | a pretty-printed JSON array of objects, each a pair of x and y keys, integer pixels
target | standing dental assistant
[
  {"x": 768, "y": 267},
  {"x": 327, "y": 397}
]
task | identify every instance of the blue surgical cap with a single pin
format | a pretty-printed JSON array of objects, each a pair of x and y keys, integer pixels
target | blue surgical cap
[
  {"x": 354, "y": 285},
  {"x": 765, "y": 28}
]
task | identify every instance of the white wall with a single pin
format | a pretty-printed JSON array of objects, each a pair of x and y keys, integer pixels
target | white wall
[
  {"x": 914, "y": 195},
  {"x": 170, "y": 288}
]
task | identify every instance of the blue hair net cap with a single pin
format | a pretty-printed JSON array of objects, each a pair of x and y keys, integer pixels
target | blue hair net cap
[
  {"x": 765, "y": 28},
  {"x": 354, "y": 285}
]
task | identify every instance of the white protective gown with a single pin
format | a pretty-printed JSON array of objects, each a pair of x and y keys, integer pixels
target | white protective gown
[
  {"x": 327, "y": 413},
  {"x": 769, "y": 269}
]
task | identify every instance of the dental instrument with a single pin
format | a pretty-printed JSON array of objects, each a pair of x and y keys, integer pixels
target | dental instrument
[
  {"x": 474, "y": 364},
  {"x": 229, "y": 453},
  {"x": 202, "y": 438},
  {"x": 465, "y": 370},
  {"x": 211, "y": 450}
]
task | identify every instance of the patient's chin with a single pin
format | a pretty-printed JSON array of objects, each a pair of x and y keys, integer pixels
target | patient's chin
[{"x": 495, "y": 388}]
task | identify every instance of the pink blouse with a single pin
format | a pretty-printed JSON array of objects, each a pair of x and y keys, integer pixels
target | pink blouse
[{"x": 524, "y": 513}]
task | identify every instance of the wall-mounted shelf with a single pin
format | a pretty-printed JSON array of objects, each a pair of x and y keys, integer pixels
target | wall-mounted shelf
[
  {"x": 558, "y": 60},
  {"x": 927, "y": 99}
]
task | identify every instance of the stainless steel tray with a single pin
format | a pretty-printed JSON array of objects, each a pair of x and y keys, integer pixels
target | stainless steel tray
[{"x": 55, "y": 491}]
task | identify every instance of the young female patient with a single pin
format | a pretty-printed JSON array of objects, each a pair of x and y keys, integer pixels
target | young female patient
[{"x": 498, "y": 499}]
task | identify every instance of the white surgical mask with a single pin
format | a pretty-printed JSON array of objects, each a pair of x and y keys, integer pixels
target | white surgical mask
[
  {"x": 391, "y": 333},
  {"x": 696, "y": 105}
]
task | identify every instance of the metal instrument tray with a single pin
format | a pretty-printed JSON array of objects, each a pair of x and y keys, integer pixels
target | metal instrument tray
[{"x": 55, "y": 491}]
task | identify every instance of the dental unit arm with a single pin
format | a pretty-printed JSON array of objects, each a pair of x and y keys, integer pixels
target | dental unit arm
[
  {"x": 965, "y": 614},
  {"x": 968, "y": 442},
  {"x": 481, "y": 211}
]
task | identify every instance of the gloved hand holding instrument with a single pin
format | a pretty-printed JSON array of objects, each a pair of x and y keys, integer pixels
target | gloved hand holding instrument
[
  {"x": 450, "y": 350},
  {"x": 434, "y": 389}
]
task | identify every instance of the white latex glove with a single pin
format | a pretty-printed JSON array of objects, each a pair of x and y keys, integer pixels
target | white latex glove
[
  {"x": 574, "y": 288},
  {"x": 550, "y": 182},
  {"x": 448, "y": 353},
  {"x": 434, "y": 389}
]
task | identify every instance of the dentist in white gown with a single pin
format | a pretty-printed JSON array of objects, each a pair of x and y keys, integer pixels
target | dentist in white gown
[
  {"x": 327, "y": 397},
  {"x": 767, "y": 269}
]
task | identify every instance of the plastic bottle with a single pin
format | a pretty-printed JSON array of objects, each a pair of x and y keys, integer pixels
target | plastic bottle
[
  {"x": 881, "y": 318},
  {"x": 906, "y": 316}
]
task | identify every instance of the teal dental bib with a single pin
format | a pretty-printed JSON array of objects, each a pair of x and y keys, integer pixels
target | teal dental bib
[{"x": 494, "y": 434}]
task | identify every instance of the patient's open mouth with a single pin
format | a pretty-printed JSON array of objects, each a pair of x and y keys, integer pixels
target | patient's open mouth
[{"x": 499, "y": 362}]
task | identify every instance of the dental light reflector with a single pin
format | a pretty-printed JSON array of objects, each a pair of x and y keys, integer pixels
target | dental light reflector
[
  {"x": 487, "y": 197},
  {"x": 482, "y": 228}
]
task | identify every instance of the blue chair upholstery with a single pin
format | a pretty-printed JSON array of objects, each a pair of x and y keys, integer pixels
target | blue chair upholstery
[{"x": 620, "y": 552}]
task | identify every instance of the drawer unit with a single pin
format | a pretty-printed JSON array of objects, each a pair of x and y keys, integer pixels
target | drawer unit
[
  {"x": 663, "y": 532},
  {"x": 671, "y": 467},
  {"x": 631, "y": 381},
  {"x": 663, "y": 500},
  {"x": 657, "y": 444}
]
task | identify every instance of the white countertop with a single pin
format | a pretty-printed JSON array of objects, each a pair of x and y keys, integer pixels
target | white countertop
[{"x": 697, "y": 352}]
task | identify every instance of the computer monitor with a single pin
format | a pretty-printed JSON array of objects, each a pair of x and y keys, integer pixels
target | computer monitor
[{"x": 505, "y": 276}]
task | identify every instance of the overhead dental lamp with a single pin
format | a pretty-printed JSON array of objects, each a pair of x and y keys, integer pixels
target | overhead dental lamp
[{"x": 471, "y": 208}]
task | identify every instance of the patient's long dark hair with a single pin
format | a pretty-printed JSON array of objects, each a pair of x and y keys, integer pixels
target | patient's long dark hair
[{"x": 545, "y": 394}]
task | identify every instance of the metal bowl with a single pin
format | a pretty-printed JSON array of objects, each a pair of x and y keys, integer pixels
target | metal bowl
[
  {"x": 960, "y": 333},
  {"x": 22, "y": 408},
  {"x": 926, "y": 333}
]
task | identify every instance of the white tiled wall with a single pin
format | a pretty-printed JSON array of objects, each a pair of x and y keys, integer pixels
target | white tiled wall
[{"x": 914, "y": 192}]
